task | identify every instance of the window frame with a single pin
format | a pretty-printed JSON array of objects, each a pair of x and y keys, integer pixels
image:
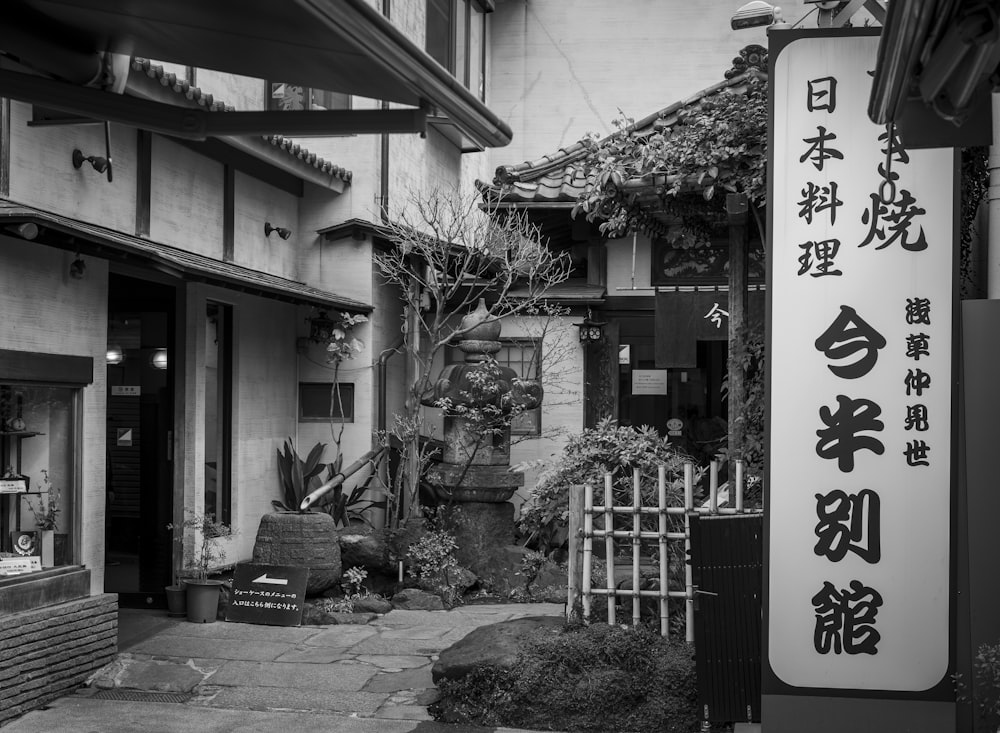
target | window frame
[{"x": 346, "y": 390}]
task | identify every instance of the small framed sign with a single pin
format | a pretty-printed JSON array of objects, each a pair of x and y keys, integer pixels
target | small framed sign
[
  {"x": 20, "y": 565},
  {"x": 14, "y": 485},
  {"x": 268, "y": 594}
]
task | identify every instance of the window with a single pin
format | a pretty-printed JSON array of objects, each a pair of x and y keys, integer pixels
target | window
[
  {"x": 319, "y": 403},
  {"x": 286, "y": 97},
  {"x": 456, "y": 39},
  {"x": 218, "y": 410},
  {"x": 524, "y": 356}
]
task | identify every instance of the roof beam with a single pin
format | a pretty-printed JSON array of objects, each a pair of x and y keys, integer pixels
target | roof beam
[{"x": 200, "y": 124}]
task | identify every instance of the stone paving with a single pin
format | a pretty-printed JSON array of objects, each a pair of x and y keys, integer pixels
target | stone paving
[{"x": 380, "y": 671}]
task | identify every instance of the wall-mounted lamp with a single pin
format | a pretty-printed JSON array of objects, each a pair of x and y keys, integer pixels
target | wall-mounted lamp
[
  {"x": 115, "y": 354},
  {"x": 281, "y": 231},
  {"x": 321, "y": 328},
  {"x": 97, "y": 162},
  {"x": 159, "y": 359},
  {"x": 755, "y": 13},
  {"x": 27, "y": 230},
  {"x": 77, "y": 268},
  {"x": 591, "y": 331}
]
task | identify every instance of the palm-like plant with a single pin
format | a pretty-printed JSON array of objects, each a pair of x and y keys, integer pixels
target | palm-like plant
[{"x": 298, "y": 477}]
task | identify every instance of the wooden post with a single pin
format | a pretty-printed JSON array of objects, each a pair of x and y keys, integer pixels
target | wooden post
[
  {"x": 661, "y": 502},
  {"x": 736, "y": 208},
  {"x": 636, "y": 546},
  {"x": 688, "y": 570},
  {"x": 574, "y": 564},
  {"x": 609, "y": 545},
  {"x": 588, "y": 545}
]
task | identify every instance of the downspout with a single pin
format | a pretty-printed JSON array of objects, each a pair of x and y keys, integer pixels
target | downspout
[
  {"x": 993, "y": 202},
  {"x": 383, "y": 206}
]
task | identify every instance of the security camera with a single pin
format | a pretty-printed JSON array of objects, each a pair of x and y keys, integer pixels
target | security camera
[{"x": 755, "y": 13}]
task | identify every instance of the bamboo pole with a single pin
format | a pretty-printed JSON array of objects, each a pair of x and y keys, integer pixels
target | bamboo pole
[
  {"x": 713, "y": 487},
  {"x": 661, "y": 500},
  {"x": 573, "y": 564},
  {"x": 688, "y": 570},
  {"x": 739, "y": 486},
  {"x": 636, "y": 545},
  {"x": 588, "y": 547},
  {"x": 609, "y": 545}
]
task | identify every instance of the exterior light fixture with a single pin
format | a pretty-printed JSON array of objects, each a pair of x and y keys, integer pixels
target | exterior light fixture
[
  {"x": 321, "y": 328},
  {"x": 591, "y": 331},
  {"x": 98, "y": 163},
  {"x": 755, "y": 13},
  {"x": 280, "y": 231},
  {"x": 77, "y": 268},
  {"x": 115, "y": 354},
  {"x": 27, "y": 230},
  {"x": 159, "y": 359}
]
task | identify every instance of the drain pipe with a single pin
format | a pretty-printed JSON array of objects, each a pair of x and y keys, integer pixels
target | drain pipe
[
  {"x": 383, "y": 361},
  {"x": 383, "y": 205}
]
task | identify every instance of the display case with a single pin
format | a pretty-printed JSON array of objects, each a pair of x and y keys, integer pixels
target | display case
[{"x": 36, "y": 477}]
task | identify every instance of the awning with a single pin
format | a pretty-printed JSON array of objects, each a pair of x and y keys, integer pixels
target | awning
[
  {"x": 72, "y": 234},
  {"x": 935, "y": 72},
  {"x": 337, "y": 45}
]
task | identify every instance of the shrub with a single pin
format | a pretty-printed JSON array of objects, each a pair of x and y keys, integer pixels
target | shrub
[
  {"x": 593, "y": 678},
  {"x": 587, "y": 456}
]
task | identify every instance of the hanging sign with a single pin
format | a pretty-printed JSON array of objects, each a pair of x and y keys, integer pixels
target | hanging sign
[
  {"x": 268, "y": 594},
  {"x": 861, "y": 396}
]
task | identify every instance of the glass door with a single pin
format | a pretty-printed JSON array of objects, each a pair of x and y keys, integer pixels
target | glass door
[{"x": 139, "y": 440}]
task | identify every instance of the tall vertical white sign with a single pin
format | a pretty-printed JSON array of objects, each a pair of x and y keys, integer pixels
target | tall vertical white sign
[{"x": 861, "y": 388}]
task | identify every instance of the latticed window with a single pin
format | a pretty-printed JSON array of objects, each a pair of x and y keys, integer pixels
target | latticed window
[
  {"x": 524, "y": 356},
  {"x": 291, "y": 97}
]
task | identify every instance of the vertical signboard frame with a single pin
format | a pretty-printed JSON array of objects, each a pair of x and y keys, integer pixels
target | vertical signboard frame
[{"x": 846, "y": 540}]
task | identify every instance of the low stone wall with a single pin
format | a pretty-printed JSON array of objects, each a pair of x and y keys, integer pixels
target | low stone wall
[{"x": 46, "y": 652}]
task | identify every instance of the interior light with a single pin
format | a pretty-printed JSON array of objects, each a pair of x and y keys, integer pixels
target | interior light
[
  {"x": 159, "y": 359},
  {"x": 115, "y": 354}
]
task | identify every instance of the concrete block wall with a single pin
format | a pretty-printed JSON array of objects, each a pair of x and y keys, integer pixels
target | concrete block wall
[{"x": 47, "y": 652}]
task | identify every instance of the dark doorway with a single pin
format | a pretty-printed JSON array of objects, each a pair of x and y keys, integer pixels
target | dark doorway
[
  {"x": 686, "y": 404},
  {"x": 139, "y": 439}
]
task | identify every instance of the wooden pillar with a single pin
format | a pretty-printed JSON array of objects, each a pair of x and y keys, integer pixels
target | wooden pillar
[{"x": 736, "y": 208}]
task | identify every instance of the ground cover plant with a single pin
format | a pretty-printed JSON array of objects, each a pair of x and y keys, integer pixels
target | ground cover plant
[{"x": 587, "y": 678}]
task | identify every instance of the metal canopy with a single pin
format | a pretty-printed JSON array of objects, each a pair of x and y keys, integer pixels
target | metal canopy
[{"x": 337, "y": 45}]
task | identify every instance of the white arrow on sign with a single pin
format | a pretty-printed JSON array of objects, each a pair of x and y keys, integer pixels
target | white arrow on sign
[{"x": 270, "y": 581}]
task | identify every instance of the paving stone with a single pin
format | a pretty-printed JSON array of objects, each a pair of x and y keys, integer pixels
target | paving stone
[
  {"x": 336, "y": 676},
  {"x": 234, "y": 630},
  {"x": 188, "y": 647},
  {"x": 313, "y": 655},
  {"x": 290, "y": 698},
  {"x": 418, "y": 678},
  {"x": 159, "y": 677},
  {"x": 434, "y": 632},
  {"x": 342, "y": 636},
  {"x": 403, "y": 712},
  {"x": 393, "y": 662},
  {"x": 402, "y": 647}
]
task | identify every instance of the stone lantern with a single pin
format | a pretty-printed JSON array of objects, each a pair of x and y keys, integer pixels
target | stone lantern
[{"x": 475, "y": 468}]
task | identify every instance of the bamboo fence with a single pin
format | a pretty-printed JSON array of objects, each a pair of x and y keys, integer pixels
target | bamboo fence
[{"x": 582, "y": 534}]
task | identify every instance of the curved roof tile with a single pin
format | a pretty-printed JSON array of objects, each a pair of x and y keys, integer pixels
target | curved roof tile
[
  {"x": 562, "y": 176},
  {"x": 209, "y": 102}
]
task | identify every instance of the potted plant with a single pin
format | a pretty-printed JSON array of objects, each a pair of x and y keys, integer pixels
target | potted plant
[
  {"x": 202, "y": 593},
  {"x": 46, "y": 515},
  {"x": 295, "y": 537}
]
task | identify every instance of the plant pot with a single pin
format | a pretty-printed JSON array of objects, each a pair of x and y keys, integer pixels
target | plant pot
[
  {"x": 176, "y": 599},
  {"x": 61, "y": 549},
  {"x": 202, "y": 601}
]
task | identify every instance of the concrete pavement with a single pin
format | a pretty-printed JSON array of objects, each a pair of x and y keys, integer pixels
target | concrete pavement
[{"x": 177, "y": 677}]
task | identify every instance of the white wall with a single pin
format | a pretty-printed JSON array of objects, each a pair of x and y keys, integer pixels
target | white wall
[{"x": 45, "y": 310}]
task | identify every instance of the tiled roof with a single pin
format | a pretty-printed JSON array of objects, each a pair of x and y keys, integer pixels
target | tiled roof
[
  {"x": 209, "y": 102},
  {"x": 561, "y": 177}
]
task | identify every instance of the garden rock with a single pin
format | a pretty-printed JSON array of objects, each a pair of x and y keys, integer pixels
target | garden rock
[
  {"x": 371, "y": 605},
  {"x": 493, "y": 645},
  {"x": 414, "y": 599},
  {"x": 364, "y": 546}
]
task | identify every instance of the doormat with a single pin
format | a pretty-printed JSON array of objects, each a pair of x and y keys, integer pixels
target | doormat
[{"x": 141, "y": 696}]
